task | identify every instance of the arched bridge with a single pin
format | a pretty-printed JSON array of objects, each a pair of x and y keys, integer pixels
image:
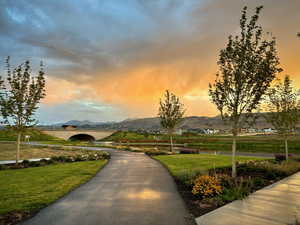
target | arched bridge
[{"x": 79, "y": 135}]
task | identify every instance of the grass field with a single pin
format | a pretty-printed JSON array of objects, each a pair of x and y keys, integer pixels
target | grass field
[
  {"x": 8, "y": 152},
  {"x": 33, "y": 188},
  {"x": 258, "y": 143},
  {"x": 179, "y": 165}
]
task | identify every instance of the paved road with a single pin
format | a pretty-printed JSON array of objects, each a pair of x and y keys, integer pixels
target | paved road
[
  {"x": 132, "y": 189},
  {"x": 278, "y": 204}
]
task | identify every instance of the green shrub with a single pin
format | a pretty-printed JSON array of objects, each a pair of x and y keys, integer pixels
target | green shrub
[
  {"x": 235, "y": 188},
  {"x": 34, "y": 164},
  {"x": 4, "y": 167},
  {"x": 155, "y": 152}
]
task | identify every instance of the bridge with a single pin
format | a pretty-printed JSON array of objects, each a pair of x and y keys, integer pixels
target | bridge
[{"x": 79, "y": 135}]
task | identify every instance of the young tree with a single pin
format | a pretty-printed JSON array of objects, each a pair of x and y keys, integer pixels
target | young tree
[
  {"x": 247, "y": 66},
  {"x": 170, "y": 112},
  {"x": 283, "y": 109},
  {"x": 20, "y": 97}
]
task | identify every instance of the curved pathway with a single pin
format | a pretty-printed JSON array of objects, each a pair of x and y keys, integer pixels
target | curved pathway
[{"x": 132, "y": 189}]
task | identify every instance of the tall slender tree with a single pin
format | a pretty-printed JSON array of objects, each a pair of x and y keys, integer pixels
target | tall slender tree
[
  {"x": 171, "y": 112},
  {"x": 247, "y": 66},
  {"x": 283, "y": 109},
  {"x": 20, "y": 97}
]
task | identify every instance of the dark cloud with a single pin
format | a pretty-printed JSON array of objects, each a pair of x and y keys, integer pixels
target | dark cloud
[{"x": 127, "y": 52}]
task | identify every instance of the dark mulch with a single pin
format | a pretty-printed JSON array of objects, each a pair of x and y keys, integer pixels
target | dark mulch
[
  {"x": 199, "y": 207},
  {"x": 13, "y": 218},
  {"x": 195, "y": 206}
]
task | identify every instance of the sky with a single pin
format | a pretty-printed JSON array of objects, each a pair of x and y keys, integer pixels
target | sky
[{"x": 109, "y": 60}]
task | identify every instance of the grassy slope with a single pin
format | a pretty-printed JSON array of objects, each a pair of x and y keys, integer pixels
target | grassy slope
[
  {"x": 8, "y": 152},
  {"x": 35, "y": 135},
  {"x": 178, "y": 164},
  {"x": 33, "y": 188}
]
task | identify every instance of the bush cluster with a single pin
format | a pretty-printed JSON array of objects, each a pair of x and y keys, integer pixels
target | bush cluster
[
  {"x": 84, "y": 156},
  {"x": 147, "y": 151},
  {"x": 207, "y": 186},
  {"x": 252, "y": 175}
]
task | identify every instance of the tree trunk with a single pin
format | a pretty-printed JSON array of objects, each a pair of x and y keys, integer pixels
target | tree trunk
[
  {"x": 233, "y": 174},
  {"x": 18, "y": 148},
  {"x": 286, "y": 149},
  {"x": 171, "y": 143}
]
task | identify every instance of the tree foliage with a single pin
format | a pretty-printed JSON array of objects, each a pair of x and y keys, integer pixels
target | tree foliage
[
  {"x": 19, "y": 98},
  {"x": 283, "y": 106},
  {"x": 21, "y": 95},
  {"x": 247, "y": 66},
  {"x": 171, "y": 112}
]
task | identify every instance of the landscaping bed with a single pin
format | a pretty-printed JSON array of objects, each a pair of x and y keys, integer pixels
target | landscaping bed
[
  {"x": 205, "y": 182},
  {"x": 78, "y": 156},
  {"x": 25, "y": 191}
]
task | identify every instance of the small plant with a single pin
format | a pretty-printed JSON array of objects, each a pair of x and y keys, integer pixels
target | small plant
[
  {"x": 281, "y": 157},
  {"x": 3, "y": 167},
  {"x": 207, "y": 186}
]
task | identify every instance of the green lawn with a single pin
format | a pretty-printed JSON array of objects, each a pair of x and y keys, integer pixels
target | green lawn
[
  {"x": 33, "y": 188},
  {"x": 256, "y": 143},
  {"x": 187, "y": 163}
]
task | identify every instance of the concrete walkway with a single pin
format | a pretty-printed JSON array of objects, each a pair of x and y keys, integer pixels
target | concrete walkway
[
  {"x": 132, "y": 189},
  {"x": 6, "y": 162},
  {"x": 278, "y": 204}
]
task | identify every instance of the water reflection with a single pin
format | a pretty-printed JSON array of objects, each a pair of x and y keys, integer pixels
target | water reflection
[{"x": 146, "y": 194}]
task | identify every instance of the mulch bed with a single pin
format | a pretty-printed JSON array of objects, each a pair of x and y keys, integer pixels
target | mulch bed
[
  {"x": 13, "y": 218},
  {"x": 199, "y": 207}
]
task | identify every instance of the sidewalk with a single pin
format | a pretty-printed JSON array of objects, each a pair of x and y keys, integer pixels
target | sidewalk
[
  {"x": 3, "y": 162},
  {"x": 277, "y": 204}
]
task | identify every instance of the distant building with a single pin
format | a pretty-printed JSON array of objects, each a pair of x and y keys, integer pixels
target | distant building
[
  {"x": 69, "y": 127},
  {"x": 269, "y": 130},
  {"x": 211, "y": 131}
]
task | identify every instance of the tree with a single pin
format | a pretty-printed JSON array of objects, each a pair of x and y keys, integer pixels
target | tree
[
  {"x": 298, "y": 34},
  {"x": 20, "y": 97},
  {"x": 170, "y": 112},
  {"x": 283, "y": 109},
  {"x": 247, "y": 66}
]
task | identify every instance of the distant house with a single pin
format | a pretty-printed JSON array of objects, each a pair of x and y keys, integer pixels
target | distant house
[
  {"x": 211, "y": 131},
  {"x": 269, "y": 130},
  {"x": 69, "y": 127}
]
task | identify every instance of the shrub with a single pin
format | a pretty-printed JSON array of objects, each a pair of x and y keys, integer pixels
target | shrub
[
  {"x": 235, "y": 188},
  {"x": 25, "y": 163},
  {"x": 34, "y": 164},
  {"x": 189, "y": 151},
  {"x": 155, "y": 152},
  {"x": 207, "y": 186},
  {"x": 281, "y": 157},
  {"x": 3, "y": 167}
]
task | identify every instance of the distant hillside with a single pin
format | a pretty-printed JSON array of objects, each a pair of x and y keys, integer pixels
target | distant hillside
[
  {"x": 154, "y": 124},
  {"x": 35, "y": 135},
  {"x": 188, "y": 123}
]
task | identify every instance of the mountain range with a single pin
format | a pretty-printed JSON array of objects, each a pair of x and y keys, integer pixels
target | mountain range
[{"x": 153, "y": 123}]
